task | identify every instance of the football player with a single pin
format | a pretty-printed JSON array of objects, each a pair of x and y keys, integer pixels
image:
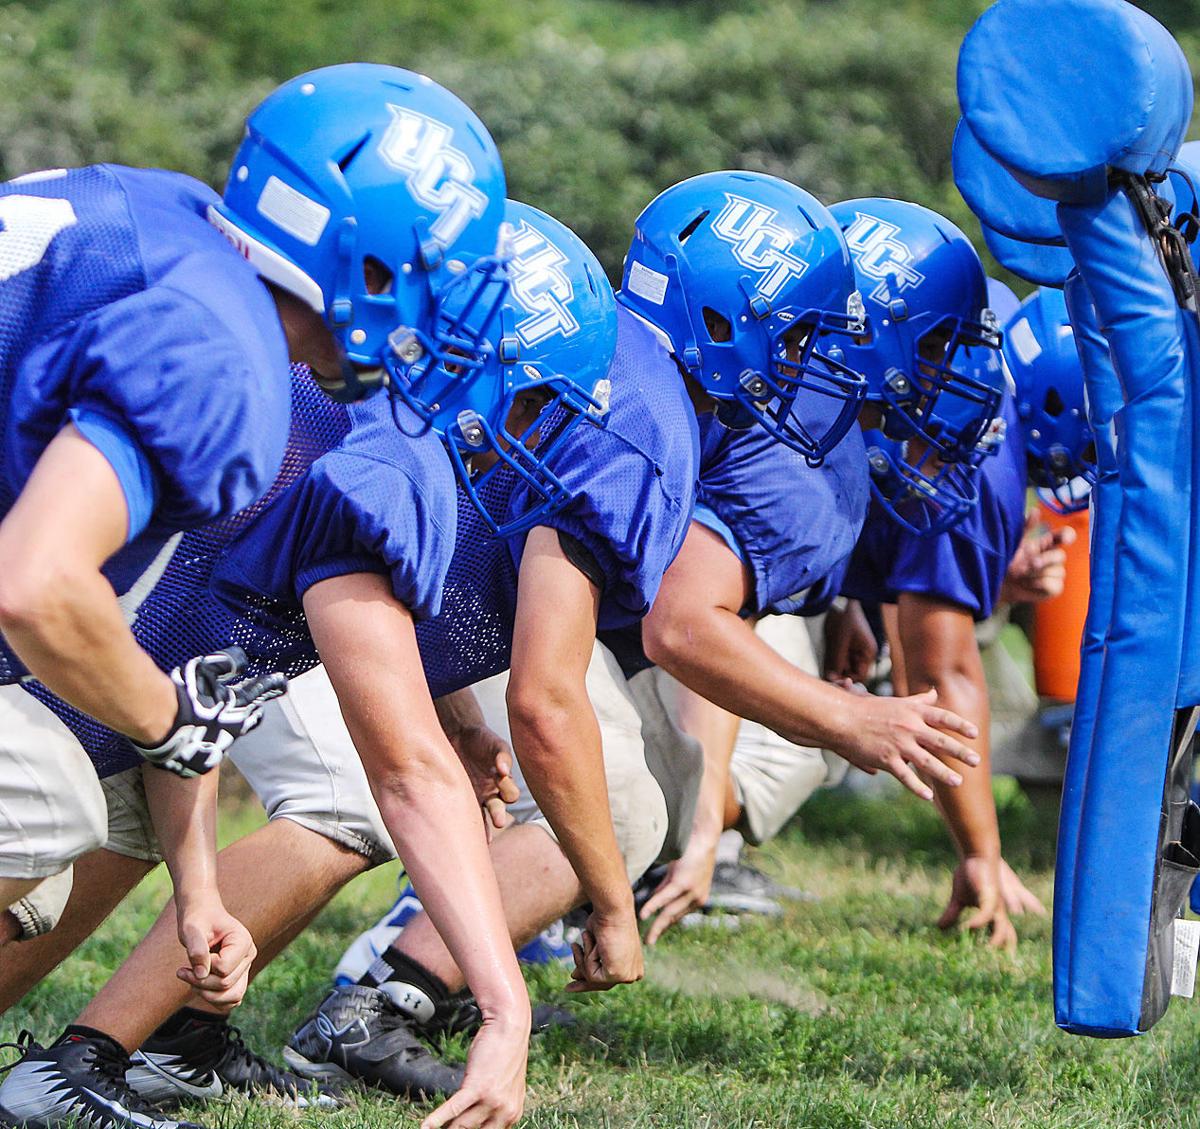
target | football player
[
  {"x": 771, "y": 401},
  {"x": 343, "y": 554},
  {"x": 925, "y": 302}
]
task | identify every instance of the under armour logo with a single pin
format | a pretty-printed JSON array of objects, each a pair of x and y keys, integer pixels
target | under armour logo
[
  {"x": 440, "y": 177},
  {"x": 880, "y": 256},
  {"x": 759, "y": 242},
  {"x": 540, "y": 286}
]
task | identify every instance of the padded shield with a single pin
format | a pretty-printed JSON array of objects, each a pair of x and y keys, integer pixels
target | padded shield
[
  {"x": 1040, "y": 263},
  {"x": 1060, "y": 91},
  {"x": 1118, "y": 889}
]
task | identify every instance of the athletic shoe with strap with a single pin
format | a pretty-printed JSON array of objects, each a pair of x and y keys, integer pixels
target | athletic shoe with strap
[
  {"x": 206, "y": 1058},
  {"x": 78, "y": 1081},
  {"x": 358, "y": 1034}
]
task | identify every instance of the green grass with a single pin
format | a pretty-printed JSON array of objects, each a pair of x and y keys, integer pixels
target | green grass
[{"x": 853, "y": 1011}]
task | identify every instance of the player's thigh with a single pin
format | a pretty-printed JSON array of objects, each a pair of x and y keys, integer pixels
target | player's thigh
[
  {"x": 302, "y": 764},
  {"x": 51, "y": 807}
]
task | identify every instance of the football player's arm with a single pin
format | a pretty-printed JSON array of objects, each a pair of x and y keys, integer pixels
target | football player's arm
[
  {"x": 219, "y": 949},
  {"x": 937, "y": 641},
  {"x": 368, "y": 644},
  {"x": 58, "y": 612},
  {"x": 556, "y": 738},
  {"x": 694, "y": 632},
  {"x": 689, "y": 877},
  {"x": 484, "y": 754}
]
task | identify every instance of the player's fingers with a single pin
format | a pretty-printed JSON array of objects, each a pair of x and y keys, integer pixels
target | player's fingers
[
  {"x": 510, "y": 793},
  {"x": 497, "y": 813},
  {"x": 195, "y": 944},
  {"x": 667, "y": 892},
  {"x": 1065, "y": 535},
  {"x": 951, "y": 722},
  {"x": 1004, "y": 935},
  {"x": 446, "y": 1113},
  {"x": 951, "y": 913},
  {"x": 980, "y": 919},
  {"x": 668, "y": 916},
  {"x": 900, "y": 770},
  {"x": 935, "y": 741},
  {"x": 938, "y": 769}
]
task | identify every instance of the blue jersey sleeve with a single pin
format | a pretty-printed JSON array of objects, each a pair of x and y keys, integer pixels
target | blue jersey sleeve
[
  {"x": 209, "y": 415},
  {"x": 796, "y": 525},
  {"x": 128, "y": 462}
]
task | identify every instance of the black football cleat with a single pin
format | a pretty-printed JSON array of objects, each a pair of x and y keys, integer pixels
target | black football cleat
[
  {"x": 77, "y": 1082},
  {"x": 205, "y": 1059},
  {"x": 358, "y": 1034}
]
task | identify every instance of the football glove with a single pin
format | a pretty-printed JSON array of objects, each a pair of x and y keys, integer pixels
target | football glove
[{"x": 213, "y": 711}]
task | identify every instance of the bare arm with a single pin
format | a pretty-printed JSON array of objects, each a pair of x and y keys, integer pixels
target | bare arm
[
  {"x": 689, "y": 878},
  {"x": 219, "y": 948},
  {"x": 556, "y": 738},
  {"x": 57, "y": 612},
  {"x": 369, "y": 648},
  {"x": 937, "y": 643},
  {"x": 694, "y": 632}
]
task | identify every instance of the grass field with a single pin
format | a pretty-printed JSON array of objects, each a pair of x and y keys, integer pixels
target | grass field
[{"x": 852, "y": 1012}]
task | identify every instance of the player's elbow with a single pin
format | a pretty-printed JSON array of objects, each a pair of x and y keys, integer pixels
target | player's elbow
[
  {"x": 31, "y": 598},
  {"x": 540, "y": 710}
]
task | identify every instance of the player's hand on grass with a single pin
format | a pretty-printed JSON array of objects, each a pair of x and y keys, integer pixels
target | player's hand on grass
[
  {"x": 906, "y": 735},
  {"x": 488, "y": 761},
  {"x": 219, "y": 951},
  {"x": 684, "y": 888},
  {"x": 608, "y": 953},
  {"x": 976, "y": 885},
  {"x": 1038, "y": 569},
  {"x": 1018, "y": 898},
  {"x": 213, "y": 712},
  {"x": 492, "y": 1095}
]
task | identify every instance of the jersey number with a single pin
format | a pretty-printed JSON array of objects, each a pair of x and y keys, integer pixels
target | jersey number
[{"x": 27, "y": 225}]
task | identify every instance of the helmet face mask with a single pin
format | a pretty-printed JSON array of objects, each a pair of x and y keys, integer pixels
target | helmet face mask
[
  {"x": 744, "y": 277},
  {"x": 925, "y": 294},
  {"x": 543, "y": 339},
  {"x": 919, "y": 491},
  {"x": 1059, "y": 445}
]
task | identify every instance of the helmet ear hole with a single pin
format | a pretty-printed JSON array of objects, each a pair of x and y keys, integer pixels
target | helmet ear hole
[
  {"x": 1053, "y": 405},
  {"x": 376, "y": 276},
  {"x": 719, "y": 327}
]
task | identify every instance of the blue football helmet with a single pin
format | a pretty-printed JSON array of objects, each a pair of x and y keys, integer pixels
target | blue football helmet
[
  {"x": 926, "y": 300},
  {"x": 1039, "y": 345},
  {"x": 919, "y": 492},
  {"x": 549, "y": 334},
  {"x": 744, "y": 276},
  {"x": 362, "y": 168}
]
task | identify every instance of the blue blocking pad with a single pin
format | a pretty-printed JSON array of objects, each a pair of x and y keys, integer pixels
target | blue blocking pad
[
  {"x": 1060, "y": 91},
  {"x": 1039, "y": 263},
  {"x": 1000, "y": 201},
  {"x": 1122, "y": 870}
]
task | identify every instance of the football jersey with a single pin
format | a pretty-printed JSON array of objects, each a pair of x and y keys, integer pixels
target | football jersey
[
  {"x": 123, "y": 311},
  {"x": 793, "y": 525},
  {"x": 633, "y": 486},
  {"x": 964, "y": 565},
  {"x": 354, "y": 495}
]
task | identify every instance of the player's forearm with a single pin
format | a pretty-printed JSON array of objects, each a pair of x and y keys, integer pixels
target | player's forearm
[
  {"x": 970, "y": 809},
  {"x": 184, "y": 815},
  {"x": 459, "y": 711},
  {"x": 716, "y": 730},
  {"x": 716, "y": 654},
  {"x": 557, "y": 743},
  {"x": 433, "y": 818},
  {"x": 66, "y": 626}
]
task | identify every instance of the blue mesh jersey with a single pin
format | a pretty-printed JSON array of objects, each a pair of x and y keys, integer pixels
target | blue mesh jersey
[
  {"x": 633, "y": 486},
  {"x": 124, "y": 311},
  {"x": 966, "y": 564},
  {"x": 792, "y": 524},
  {"x": 354, "y": 495}
]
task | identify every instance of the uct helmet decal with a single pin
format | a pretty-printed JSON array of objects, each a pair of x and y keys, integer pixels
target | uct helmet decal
[
  {"x": 759, "y": 242},
  {"x": 440, "y": 177},
  {"x": 879, "y": 255},
  {"x": 539, "y": 285}
]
